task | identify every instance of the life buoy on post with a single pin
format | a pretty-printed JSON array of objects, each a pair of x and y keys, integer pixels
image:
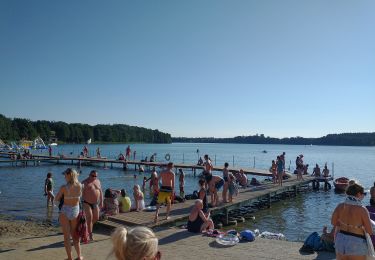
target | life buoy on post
[{"x": 167, "y": 157}]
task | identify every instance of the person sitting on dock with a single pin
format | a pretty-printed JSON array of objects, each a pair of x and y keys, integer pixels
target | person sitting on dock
[
  {"x": 214, "y": 184},
  {"x": 165, "y": 194},
  {"x": 110, "y": 203},
  {"x": 121, "y": 157},
  {"x": 152, "y": 158},
  {"x": 124, "y": 202},
  {"x": 198, "y": 221},
  {"x": 316, "y": 171},
  {"x": 242, "y": 179},
  {"x": 200, "y": 161}
]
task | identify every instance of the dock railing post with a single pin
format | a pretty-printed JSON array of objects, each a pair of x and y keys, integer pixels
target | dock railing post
[
  {"x": 183, "y": 158},
  {"x": 215, "y": 159},
  {"x": 333, "y": 170},
  {"x": 233, "y": 161}
]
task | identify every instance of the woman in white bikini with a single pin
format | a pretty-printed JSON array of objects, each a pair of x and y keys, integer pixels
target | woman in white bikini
[{"x": 71, "y": 193}]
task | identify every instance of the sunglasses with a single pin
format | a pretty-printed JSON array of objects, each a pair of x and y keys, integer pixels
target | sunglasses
[{"x": 94, "y": 176}]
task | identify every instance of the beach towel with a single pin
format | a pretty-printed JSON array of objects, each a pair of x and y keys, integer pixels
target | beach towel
[{"x": 82, "y": 231}]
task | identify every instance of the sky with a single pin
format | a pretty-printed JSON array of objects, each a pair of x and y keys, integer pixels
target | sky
[{"x": 194, "y": 68}]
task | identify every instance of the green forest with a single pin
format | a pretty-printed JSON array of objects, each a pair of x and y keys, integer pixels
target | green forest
[
  {"x": 18, "y": 128},
  {"x": 344, "y": 139}
]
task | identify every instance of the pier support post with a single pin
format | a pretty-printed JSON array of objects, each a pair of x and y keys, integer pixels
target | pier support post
[
  {"x": 194, "y": 171},
  {"x": 111, "y": 165},
  {"x": 226, "y": 215},
  {"x": 269, "y": 200}
]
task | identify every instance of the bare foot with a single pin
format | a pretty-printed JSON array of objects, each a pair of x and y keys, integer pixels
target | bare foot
[{"x": 156, "y": 220}]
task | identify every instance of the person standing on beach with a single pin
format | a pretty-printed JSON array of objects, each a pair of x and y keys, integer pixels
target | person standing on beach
[
  {"x": 69, "y": 211},
  {"x": 372, "y": 196},
  {"x": 48, "y": 189},
  {"x": 92, "y": 199},
  {"x": 165, "y": 194}
]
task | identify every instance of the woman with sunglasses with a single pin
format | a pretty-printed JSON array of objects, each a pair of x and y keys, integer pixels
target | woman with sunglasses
[
  {"x": 68, "y": 215},
  {"x": 138, "y": 243},
  {"x": 351, "y": 220}
]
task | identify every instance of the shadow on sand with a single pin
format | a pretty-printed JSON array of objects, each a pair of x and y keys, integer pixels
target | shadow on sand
[{"x": 177, "y": 236}]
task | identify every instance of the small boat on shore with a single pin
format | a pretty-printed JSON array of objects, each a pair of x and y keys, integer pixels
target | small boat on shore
[{"x": 341, "y": 184}]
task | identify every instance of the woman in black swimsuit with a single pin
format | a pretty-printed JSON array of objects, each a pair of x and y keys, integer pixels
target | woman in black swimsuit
[{"x": 197, "y": 220}]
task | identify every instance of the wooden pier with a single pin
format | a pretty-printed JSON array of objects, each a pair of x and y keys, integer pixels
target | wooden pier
[
  {"x": 181, "y": 211},
  {"x": 105, "y": 162}
]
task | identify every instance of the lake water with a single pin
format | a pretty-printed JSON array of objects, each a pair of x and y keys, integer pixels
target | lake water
[{"x": 21, "y": 189}]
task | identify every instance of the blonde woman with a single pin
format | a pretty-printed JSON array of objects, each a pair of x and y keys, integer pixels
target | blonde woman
[
  {"x": 139, "y": 243},
  {"x": 71, "y": 193}
]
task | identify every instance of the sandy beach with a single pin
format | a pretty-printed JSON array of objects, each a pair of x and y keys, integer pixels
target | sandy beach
[{"x": 30, "y": 240}]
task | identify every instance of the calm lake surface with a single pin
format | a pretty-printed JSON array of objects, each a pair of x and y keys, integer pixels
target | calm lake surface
[{"x": 21, "y": 189}]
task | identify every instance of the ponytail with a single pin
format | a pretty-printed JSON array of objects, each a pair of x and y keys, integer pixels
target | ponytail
[{"x": 135, "y": 244}]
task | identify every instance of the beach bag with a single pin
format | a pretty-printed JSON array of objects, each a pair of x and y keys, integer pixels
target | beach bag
[
  {"x": 82, "y": 230},
  {"x": 312, "y": 243}
]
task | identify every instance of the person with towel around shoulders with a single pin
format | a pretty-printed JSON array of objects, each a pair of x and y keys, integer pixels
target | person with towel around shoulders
[{"x": 351, "y": 220}]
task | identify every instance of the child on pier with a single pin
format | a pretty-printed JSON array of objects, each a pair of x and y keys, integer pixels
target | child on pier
[
  {"x": 138, "y": 198},
  {"x": 232, "y": 187}
]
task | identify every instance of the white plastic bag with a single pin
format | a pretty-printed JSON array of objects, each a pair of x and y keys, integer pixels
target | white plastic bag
[{"x": 370, "y": 248}]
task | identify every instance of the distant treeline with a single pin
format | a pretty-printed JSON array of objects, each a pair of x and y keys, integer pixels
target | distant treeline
[
  {"x": 349, "y": 139},
  {"x": 18, "y": 128}
]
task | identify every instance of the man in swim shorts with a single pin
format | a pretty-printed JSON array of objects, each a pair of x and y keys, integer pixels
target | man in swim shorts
[
  {"x": 166, "y": 190},
  {"x": 92, "y": 196},
  {"x": 214, "y": 184}
]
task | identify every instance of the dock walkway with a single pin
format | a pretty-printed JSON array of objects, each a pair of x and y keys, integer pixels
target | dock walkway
[{"x": 181, "y": 211}]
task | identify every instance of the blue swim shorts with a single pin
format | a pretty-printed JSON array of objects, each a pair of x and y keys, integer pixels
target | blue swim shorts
[{"x": 350, "y": 245}]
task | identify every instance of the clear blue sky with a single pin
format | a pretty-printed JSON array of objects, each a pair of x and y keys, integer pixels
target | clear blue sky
[{"x": 192, "y": 68}]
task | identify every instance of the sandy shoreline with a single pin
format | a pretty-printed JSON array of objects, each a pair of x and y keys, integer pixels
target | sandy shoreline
[{"x": 30, "y": 240}]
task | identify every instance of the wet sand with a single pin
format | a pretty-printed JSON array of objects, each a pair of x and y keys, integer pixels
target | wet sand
[{"x": 29, "y": 240}]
